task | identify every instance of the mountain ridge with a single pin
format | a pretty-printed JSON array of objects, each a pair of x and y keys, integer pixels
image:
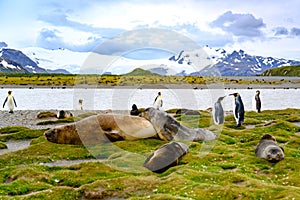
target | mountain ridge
[
  {"x": 15, "y": 61},
  {"x": 21, "y": 62},
  {"x": 236, "y": 63},
  {"x": 217, "y": 62}
]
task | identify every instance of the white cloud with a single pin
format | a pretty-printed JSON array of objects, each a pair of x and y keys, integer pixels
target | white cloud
[
  {"x": 77, "y": 24},
  {"x": 77, "y": 41},
  {"x": 147, "y": 38},
  {"x": 274, "y": 47},
  {"x": 240, "y": 24}
]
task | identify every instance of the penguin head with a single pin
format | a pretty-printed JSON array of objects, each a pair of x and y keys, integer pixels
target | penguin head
[
  {"x": 234, "y": 94},
  {"x": 268, "y": 137},
  {"x": 257, "y": 92},
  {"x": 221, "y": 98},
  {"x": 134, "y": 107}
]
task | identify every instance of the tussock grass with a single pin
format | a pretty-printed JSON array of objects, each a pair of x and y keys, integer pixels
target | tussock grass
[
  {"x": 138, "y": 76},
  {"x": 229, "y": 171},
  {"x": 18, "y": 133},
  {"x": 65, "y": 120},
  {"x": 3, "y": 146},
  {"x": 45, "y": 114},
  {"x": 283, "y": 71}
]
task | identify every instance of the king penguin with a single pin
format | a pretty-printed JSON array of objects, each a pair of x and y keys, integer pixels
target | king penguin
[
  {"x": 218, "y": 112},
  {"x": 11, "y": 102},
  {"x": 158, "y": 102},
  {"x": 239, "y": 109},
  {"x": 258, "y": 102}
]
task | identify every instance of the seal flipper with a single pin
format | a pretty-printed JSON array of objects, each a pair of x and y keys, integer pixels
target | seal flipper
[
  {"x": 204, "y": 134},
  {"x": 169, "y": 130}
]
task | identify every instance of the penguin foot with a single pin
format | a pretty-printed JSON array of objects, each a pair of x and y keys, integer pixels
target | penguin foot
[
  {"x": 11, "y": 111},
  {"x": 237, "y": 125}
]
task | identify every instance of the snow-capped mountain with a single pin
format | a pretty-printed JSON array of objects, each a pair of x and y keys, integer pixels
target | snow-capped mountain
[
  {"x": 8, "y": 66},
  {"x": 239, "y": 63},
  {"x": 56, "y": 60},
  {"x": 217, "y": 61},
  {"x": 201, "y": 62},
  {"x": 16, "y": 61},
  {"x": 163, "y": 66}
]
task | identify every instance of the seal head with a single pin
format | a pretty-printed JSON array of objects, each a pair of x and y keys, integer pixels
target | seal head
[
  {"x": 166, "y": 156},
  {"x": 269, "y": 149},
  {"x": 169, "y": 129}
]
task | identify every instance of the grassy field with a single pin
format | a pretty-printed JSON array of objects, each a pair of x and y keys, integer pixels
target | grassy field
[
  {"x": 229, "y": 171},
  {"x": 134, "y": 78}
]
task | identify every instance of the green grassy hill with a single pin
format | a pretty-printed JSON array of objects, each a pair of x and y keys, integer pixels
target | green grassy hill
[
  {"x": 283, "y": 71},
  {"x": 230, "y": 170},
  {"x": 141, "y": 72}
]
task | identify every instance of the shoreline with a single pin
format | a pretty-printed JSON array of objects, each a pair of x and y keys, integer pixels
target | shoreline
[
  {"x": 28, "y": 118},
  {"x": 164, "y": 86}
]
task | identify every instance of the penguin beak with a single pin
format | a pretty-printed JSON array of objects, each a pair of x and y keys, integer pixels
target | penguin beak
[{"x": 234, "y": 94}]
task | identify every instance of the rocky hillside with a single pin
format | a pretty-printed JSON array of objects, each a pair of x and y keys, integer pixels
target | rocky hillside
[
  {"x": 18, "y": 62},
  {"x": 283, "y": 71},
  {"x": 15, "y": 61}
]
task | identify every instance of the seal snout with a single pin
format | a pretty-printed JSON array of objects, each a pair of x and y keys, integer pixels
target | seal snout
[
  {"x": 269, "y": 149},
  {"x": 50, "y": 135},
  {"x": 275, "y": 155}
]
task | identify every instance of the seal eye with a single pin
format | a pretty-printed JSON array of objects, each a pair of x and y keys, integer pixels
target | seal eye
[{"x": 274, "y": 151}]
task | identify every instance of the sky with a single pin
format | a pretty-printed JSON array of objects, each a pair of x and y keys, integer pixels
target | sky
[{"x": 259, "y": 27}]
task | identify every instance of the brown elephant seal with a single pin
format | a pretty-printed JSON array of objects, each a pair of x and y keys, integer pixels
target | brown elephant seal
[
  {"x": 169, "y": 129},
  {"x": 101, "y": 128},
  {"x": 269, "y": 150},
  {"x": 166, "y": 156}
]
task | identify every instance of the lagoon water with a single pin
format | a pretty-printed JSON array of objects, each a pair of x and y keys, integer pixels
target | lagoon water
[{"x": 123, "y": 98}]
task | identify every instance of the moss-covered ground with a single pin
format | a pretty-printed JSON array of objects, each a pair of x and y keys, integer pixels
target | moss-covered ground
[
  {"x": 69, "y": 80},
  {"x": 229, "y": 171}
]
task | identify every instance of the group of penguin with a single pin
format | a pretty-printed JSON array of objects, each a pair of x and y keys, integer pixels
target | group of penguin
[
  {"x": 158, "y": 103},
  {"x": 218, "y": 112},
  {"x": 239, "y": 110}
]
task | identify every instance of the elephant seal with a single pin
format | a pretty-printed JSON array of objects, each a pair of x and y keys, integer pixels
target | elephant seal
[
  {"x": 169, "y": 129},
  {"x": 184, "y": 111},
  {"x": 166, "y": 156},
  {"x": 269, "y": 150},
  {"x": 101, "y": 128}
]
